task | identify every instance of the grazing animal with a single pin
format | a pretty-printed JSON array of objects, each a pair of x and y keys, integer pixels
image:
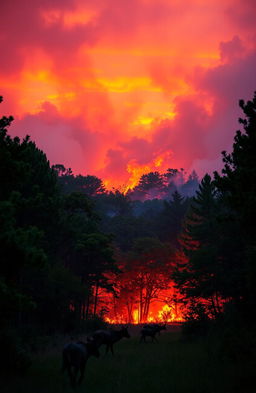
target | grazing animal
[
  {"x": 148, "y": 332},
  {"x": 108, "y": 337},
  {"x": 75, "y": 356},
  {"x": 157, "y": 326},
  {"x": 151, "y": 330}
]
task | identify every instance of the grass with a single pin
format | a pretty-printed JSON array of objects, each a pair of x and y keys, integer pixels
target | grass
[{"x": 170, "y": 366}]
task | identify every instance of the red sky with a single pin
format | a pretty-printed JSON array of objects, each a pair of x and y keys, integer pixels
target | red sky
[{"x": 116, "y": 88}]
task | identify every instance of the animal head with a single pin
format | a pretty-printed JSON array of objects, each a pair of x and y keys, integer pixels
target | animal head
[{"x": 125, "y": 332}]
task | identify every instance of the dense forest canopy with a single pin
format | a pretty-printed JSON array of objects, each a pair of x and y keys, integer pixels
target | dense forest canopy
[{"x": 72, "y": 251}]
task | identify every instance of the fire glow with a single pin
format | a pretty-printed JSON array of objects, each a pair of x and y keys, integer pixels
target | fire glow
[
  {"x": 159, "y": 310},
  {"x": 164, "y": 315}
]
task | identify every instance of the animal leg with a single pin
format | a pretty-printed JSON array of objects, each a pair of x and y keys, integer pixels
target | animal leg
[
  {"x": 71, "y": 376},
  {"x": 154, "y": 339},
  {"x": 82, "y": 368},
  {"x": 64, "y": 365},
  {"x": 75, "y": 375}
]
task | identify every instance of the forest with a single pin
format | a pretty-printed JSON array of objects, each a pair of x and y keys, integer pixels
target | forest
[{"x": 76, "y": 256}]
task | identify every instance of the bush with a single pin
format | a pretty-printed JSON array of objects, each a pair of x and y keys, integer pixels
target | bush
[
  {"x": 14, "y": 358},
  {"x": 197, "y": 322},
  {"x": 94, "y": 323}
]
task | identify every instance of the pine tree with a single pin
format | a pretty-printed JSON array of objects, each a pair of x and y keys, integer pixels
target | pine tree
[
  {"x": 171, "y": 218},
  {"x": 198, "y": 277},
  {"x": 238, "y": 186}
]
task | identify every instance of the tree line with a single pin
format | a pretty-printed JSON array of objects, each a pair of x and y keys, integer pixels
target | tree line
[
  {"x": 217, "y": 272},
  {"x": 145, "y": 235},
  {"x": 65, "y": 240}
]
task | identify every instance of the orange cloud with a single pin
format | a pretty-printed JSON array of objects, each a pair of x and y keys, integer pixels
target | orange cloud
[{"x": 127, "y": 87}]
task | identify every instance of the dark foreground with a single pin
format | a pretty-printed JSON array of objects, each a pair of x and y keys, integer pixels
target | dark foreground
[{"x": 170, "y": 366}]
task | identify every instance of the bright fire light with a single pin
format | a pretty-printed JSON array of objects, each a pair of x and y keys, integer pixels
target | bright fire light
[{"x": 108, "y": 78}]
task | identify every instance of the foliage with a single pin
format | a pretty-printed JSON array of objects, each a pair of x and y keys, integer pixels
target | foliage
[
  {"x": 172, "y": 217},
  {"x": 89, "y": 185},
  {"x": 146, "y": 271},
  {"x": 28, "y": 206},
  {"x": 65, "y": 240},
  {"x": 46, "y": 239},
  {"x": 113, "y": 204},
  {"x": 151, "y": 185},
  {"x": 171, "y": 365},
  {"x": 238, "y": 185},
  {"x": 197, "y": 322},
  {"x": 217, "y": 274},
  {"x": 14, "y": 358},
  {"x": 162, "y": 185},
  {"x": 198, "y": 278}
]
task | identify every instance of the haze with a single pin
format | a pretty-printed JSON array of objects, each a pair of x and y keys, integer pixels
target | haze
[{"x": 119, "y": 88}]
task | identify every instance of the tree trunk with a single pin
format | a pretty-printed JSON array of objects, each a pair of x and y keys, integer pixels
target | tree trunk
[
  {"x": 129, "y": 306},
  {"x": 141, "y": 306},
  {"x": 87, "y": 305},
  {"x": 215, "y": 312},
  {"x": 96, "y": 298}
]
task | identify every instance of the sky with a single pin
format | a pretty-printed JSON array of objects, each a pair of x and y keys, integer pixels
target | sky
[{"x": 118, "y": 88}]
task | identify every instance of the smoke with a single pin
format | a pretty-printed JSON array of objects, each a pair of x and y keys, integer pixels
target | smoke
[{"x": 121, "y": 89}]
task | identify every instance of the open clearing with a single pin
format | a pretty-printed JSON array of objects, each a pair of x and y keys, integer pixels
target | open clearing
[{"x": 169, "y": 366}]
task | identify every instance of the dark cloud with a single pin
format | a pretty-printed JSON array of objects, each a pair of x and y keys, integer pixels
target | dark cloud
[
  {"x": 65, "y": 141},
  {"x": 84, "y": 133},
  {"x": 138, "y": 148},
  {"x": 115, "y": 165},
  {"x": 229, "y": 82},
  {"x": 242, "y": 14},
  {"x": 24, "y": 29},
  {"x": 231, "y": 49},
  {"x": 197, "y": 136}
]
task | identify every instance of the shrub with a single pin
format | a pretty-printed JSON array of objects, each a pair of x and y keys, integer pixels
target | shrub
[{"x": 14, "y": 358}]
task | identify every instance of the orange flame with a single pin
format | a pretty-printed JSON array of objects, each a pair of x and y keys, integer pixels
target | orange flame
[
  {"x": 136, "y": 172},
  {"x": 160, "y": 163},
  {"x": 159, "y": 312}
]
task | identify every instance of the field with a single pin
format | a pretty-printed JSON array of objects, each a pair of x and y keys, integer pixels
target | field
[{"x": 169, "y": 366}]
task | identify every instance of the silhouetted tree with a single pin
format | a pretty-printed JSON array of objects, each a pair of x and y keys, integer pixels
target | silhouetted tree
[
  {"x": 238, "y": 186},
  {"x": 149, "y": 263},
  {"x": 151, "y": 185},
  {"x": 113, "y": 203},
  {"x": 191, "y": 185},
  {"x": 198, "y": 278},
  {"x": 171, "y": 218},
  {"x": 44, "y": 235}
]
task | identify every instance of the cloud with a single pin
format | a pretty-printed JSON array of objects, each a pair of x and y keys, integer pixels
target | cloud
[
  {"x": 242, "y": 14},
  {"x": 205, "y": 123},
  {"x": 116, "y": 88},
  {"x": 68, "y": 142},
  {"x": 39, "y": 25},
  {"x": 232, "y": 49}
]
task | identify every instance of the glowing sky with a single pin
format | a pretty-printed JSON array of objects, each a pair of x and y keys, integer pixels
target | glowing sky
[{"x": 115, "y": 88}]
